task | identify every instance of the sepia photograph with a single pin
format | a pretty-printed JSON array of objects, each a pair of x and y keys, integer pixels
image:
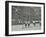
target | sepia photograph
[{"x": 25, "y": 18}]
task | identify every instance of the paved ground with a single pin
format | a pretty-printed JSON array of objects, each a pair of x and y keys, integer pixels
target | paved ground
[{"x": 22, "y": 27}]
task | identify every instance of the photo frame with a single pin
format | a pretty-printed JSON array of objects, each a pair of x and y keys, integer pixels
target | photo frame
[{"x": 24, "y": 18}]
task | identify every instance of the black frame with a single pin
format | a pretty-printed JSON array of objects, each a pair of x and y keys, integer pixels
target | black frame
[{"x": 7, "y": 16}]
